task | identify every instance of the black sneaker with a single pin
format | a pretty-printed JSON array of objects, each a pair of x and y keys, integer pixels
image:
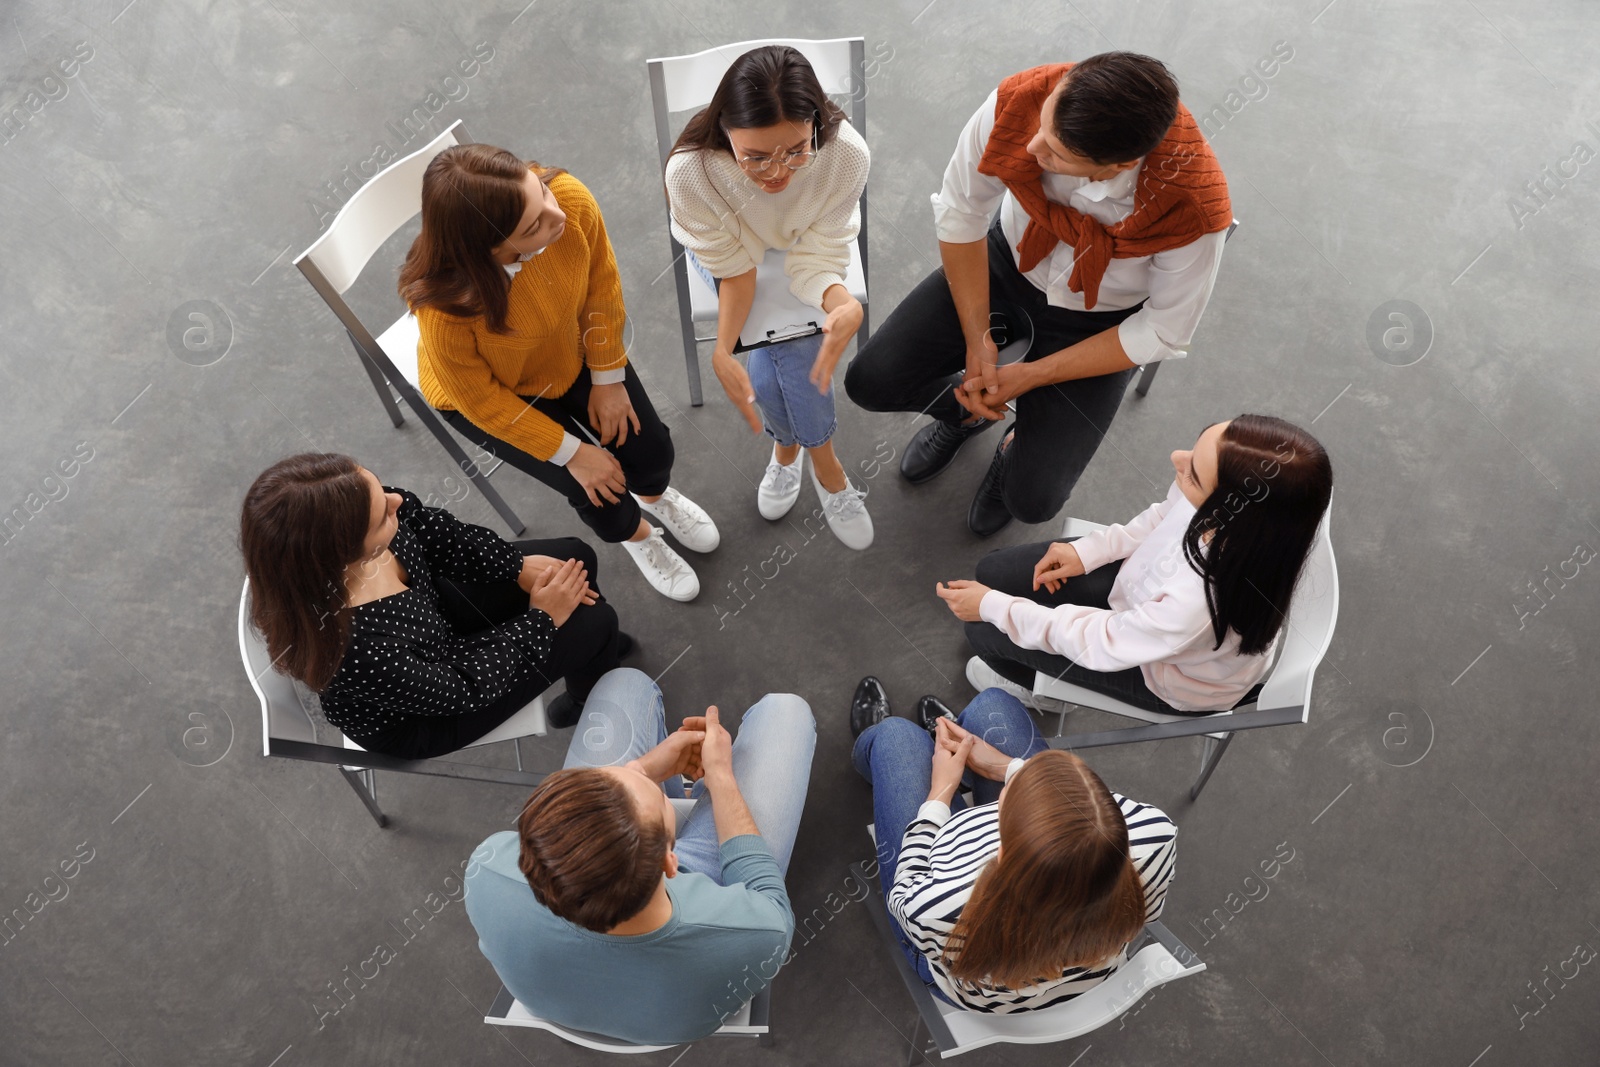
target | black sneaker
[
  {"x": 869, "y": 707},
  {"x": 934, "y": 447}
]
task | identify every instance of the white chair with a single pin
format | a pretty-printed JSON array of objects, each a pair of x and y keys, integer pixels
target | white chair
[
  {"x": 1285, "y": 696},
  {"x": 686, "y": 83},
  {"x": 749, "y": 1021},
  {"x": 288, "y": 731},
  {"x": 336, "y": 259},
  {"x": 1156, "y": 958}
]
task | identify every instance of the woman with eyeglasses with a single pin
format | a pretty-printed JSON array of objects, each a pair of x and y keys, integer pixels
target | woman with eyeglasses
[
  {"x": 771, "y": 163},
  {"x": 522, "y": 349},
  {"x": 1178, "y": 610}
]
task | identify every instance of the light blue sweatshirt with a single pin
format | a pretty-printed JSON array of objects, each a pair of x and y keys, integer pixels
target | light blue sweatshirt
[{"x": 674, "y": 984}]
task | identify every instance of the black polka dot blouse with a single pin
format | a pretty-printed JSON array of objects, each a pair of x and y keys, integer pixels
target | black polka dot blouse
[{"x": 404, "y": 657}]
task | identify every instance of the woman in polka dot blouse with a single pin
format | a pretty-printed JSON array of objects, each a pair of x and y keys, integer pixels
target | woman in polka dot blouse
[{"x": 421, "y": 632}]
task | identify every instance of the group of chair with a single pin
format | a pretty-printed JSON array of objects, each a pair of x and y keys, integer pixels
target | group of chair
[{"x": 678, "y": 85}]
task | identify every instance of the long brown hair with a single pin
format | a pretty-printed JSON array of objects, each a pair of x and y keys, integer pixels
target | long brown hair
[
  {"x": 1274, "y": 482},
  {"x": 1063, "y": 891},
  {"x": 472, "y": 200},
  {"x": 304, "y": 519},
  {"x": 763, "y": 87},
  {"x": 587, "y": 853}
]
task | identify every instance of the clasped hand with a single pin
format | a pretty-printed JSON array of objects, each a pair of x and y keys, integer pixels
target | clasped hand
[
  {"x": 1010, "y": 381},
  {"x": 955, "y": 750},
  {"x": 700, "y": 748},
  {"x": 556, "y": 587}
]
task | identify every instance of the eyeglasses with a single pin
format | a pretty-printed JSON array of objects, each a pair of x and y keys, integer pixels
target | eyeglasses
[{"x": 768, "y": 165}]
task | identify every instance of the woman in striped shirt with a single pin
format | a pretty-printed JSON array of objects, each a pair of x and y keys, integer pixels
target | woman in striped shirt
[{"x": 1029, "y": 897}]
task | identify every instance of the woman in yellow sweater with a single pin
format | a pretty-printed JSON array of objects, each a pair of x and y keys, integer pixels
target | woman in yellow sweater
[{"x": 526, "y": 357}]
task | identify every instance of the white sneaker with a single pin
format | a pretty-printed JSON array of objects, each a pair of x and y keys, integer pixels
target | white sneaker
[
  {"x": 981, "y": 676},
  {"x": 685, "y": 520},
  {"x": 663, "y": 568},
  {"x": 846, "y": 512},
  {"x": 780, "y": 486}
]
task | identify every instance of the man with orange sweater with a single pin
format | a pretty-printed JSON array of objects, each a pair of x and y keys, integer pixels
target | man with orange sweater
[{"x": 1112, "y": 217}]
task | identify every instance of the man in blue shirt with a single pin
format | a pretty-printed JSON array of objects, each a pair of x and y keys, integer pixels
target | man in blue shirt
[{"x": 600, "y": 915}]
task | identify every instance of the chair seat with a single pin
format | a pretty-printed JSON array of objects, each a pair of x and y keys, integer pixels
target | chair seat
[
  {"x": 1152, "y": 966},
  {"x": 399, "y": 343},
  {"x": 769, "y": 272},
  {"x": 508, "y": 1011},
  {"x": 529, "y": 722}
]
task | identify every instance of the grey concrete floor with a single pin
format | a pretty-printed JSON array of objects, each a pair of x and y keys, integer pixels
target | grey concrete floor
[{"x": 1437, "y": 804}]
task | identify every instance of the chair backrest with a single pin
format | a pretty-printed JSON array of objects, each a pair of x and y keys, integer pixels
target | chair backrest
[
  {"x": 282, "y": 715},
  {"x": 686, "y": 83},
  {"x": 370, "y": 217},
  {"x": 1313, "y": 612}
]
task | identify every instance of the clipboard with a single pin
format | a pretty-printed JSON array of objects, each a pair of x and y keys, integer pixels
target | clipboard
[{"x": 776, "y": 314}]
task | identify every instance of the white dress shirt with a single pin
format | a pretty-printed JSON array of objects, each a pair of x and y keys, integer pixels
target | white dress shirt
[
  {"x": 1157, "y": 620},
  {"x": 1175, "y": 284}
]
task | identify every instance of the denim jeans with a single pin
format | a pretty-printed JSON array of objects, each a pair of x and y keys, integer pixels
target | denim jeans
[
  {"x": 792, "y": 410},
  {"x": 896, "y": 756},
  {"x": 624, "y": 718}
]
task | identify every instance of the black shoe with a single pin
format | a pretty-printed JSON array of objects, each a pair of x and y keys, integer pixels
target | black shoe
[
  {"x": 988, "y": 514},
  {"x": 563, "y": 711},
  {"x": 934, "y": 447},
  {"x": 930, "y": 709},
  {"x": 869, "y": 707},
  {"x": 626, "y": 645}
]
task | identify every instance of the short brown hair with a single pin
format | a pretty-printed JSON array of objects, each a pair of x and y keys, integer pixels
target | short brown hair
[
  {"x": 1063, "y": 893},
  {"x": 1116, "y": 107},
  {"x": 586, "y": 851}
]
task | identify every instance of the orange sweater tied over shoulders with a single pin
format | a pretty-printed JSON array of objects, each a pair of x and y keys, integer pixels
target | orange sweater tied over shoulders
[
  {"x": 1180, "y": 194},
  {"x": 565, "y": 311}
]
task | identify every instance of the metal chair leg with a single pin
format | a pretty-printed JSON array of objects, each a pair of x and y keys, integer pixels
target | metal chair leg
[
  {"x": 1146, "y": 376},
  {"x": 354, "y": 778},
  {"x": 436, "y": 426},
  {"x": 516, "y": 744},
  {"x": 379, "y": 382},
  {"x": 1210, "y": 756},
  {"x": 916, "y": 1035}
]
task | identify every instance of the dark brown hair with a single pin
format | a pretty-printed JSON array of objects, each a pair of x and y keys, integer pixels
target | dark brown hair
[
  {"x": 586, "y": 852},
  {"x": 1274, "y": 482},
  {"x": 1115, "y": 107},
  {"x": 1063, "y": 891},
  {"x": 472, "y": 200},
  {"x": 763, "y": 87},
  {"x": 304, "y": 519}
]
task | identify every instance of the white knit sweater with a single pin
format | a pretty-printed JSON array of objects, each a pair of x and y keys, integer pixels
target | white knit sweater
[{"x": 720, "y": 215}]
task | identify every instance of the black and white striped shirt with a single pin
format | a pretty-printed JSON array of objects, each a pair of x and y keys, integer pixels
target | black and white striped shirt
[{"x": 940, "y": 861}]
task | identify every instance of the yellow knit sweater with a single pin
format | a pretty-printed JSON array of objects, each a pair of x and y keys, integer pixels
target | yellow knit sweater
[{"x": 565, "y": 310}]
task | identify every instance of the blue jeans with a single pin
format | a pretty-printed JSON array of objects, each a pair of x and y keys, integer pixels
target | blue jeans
[
  {"x": 896, "y": 756},
  {"x": 792, "y": 410},
  {"x": 624, "y": 718}
]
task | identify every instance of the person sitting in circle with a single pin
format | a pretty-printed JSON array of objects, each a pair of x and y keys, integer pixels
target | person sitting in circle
[
  {"x": 419, "y": 632},
  {"x": 1180, "y": 609}
]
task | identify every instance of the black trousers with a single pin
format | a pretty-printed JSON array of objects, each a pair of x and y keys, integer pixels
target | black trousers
[
  {"x": 1010, "y": 570},
  {"x": 585, "y": 647},
  {"x": 646, "y": 456},
  {"x": 914, "y": 361}
]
